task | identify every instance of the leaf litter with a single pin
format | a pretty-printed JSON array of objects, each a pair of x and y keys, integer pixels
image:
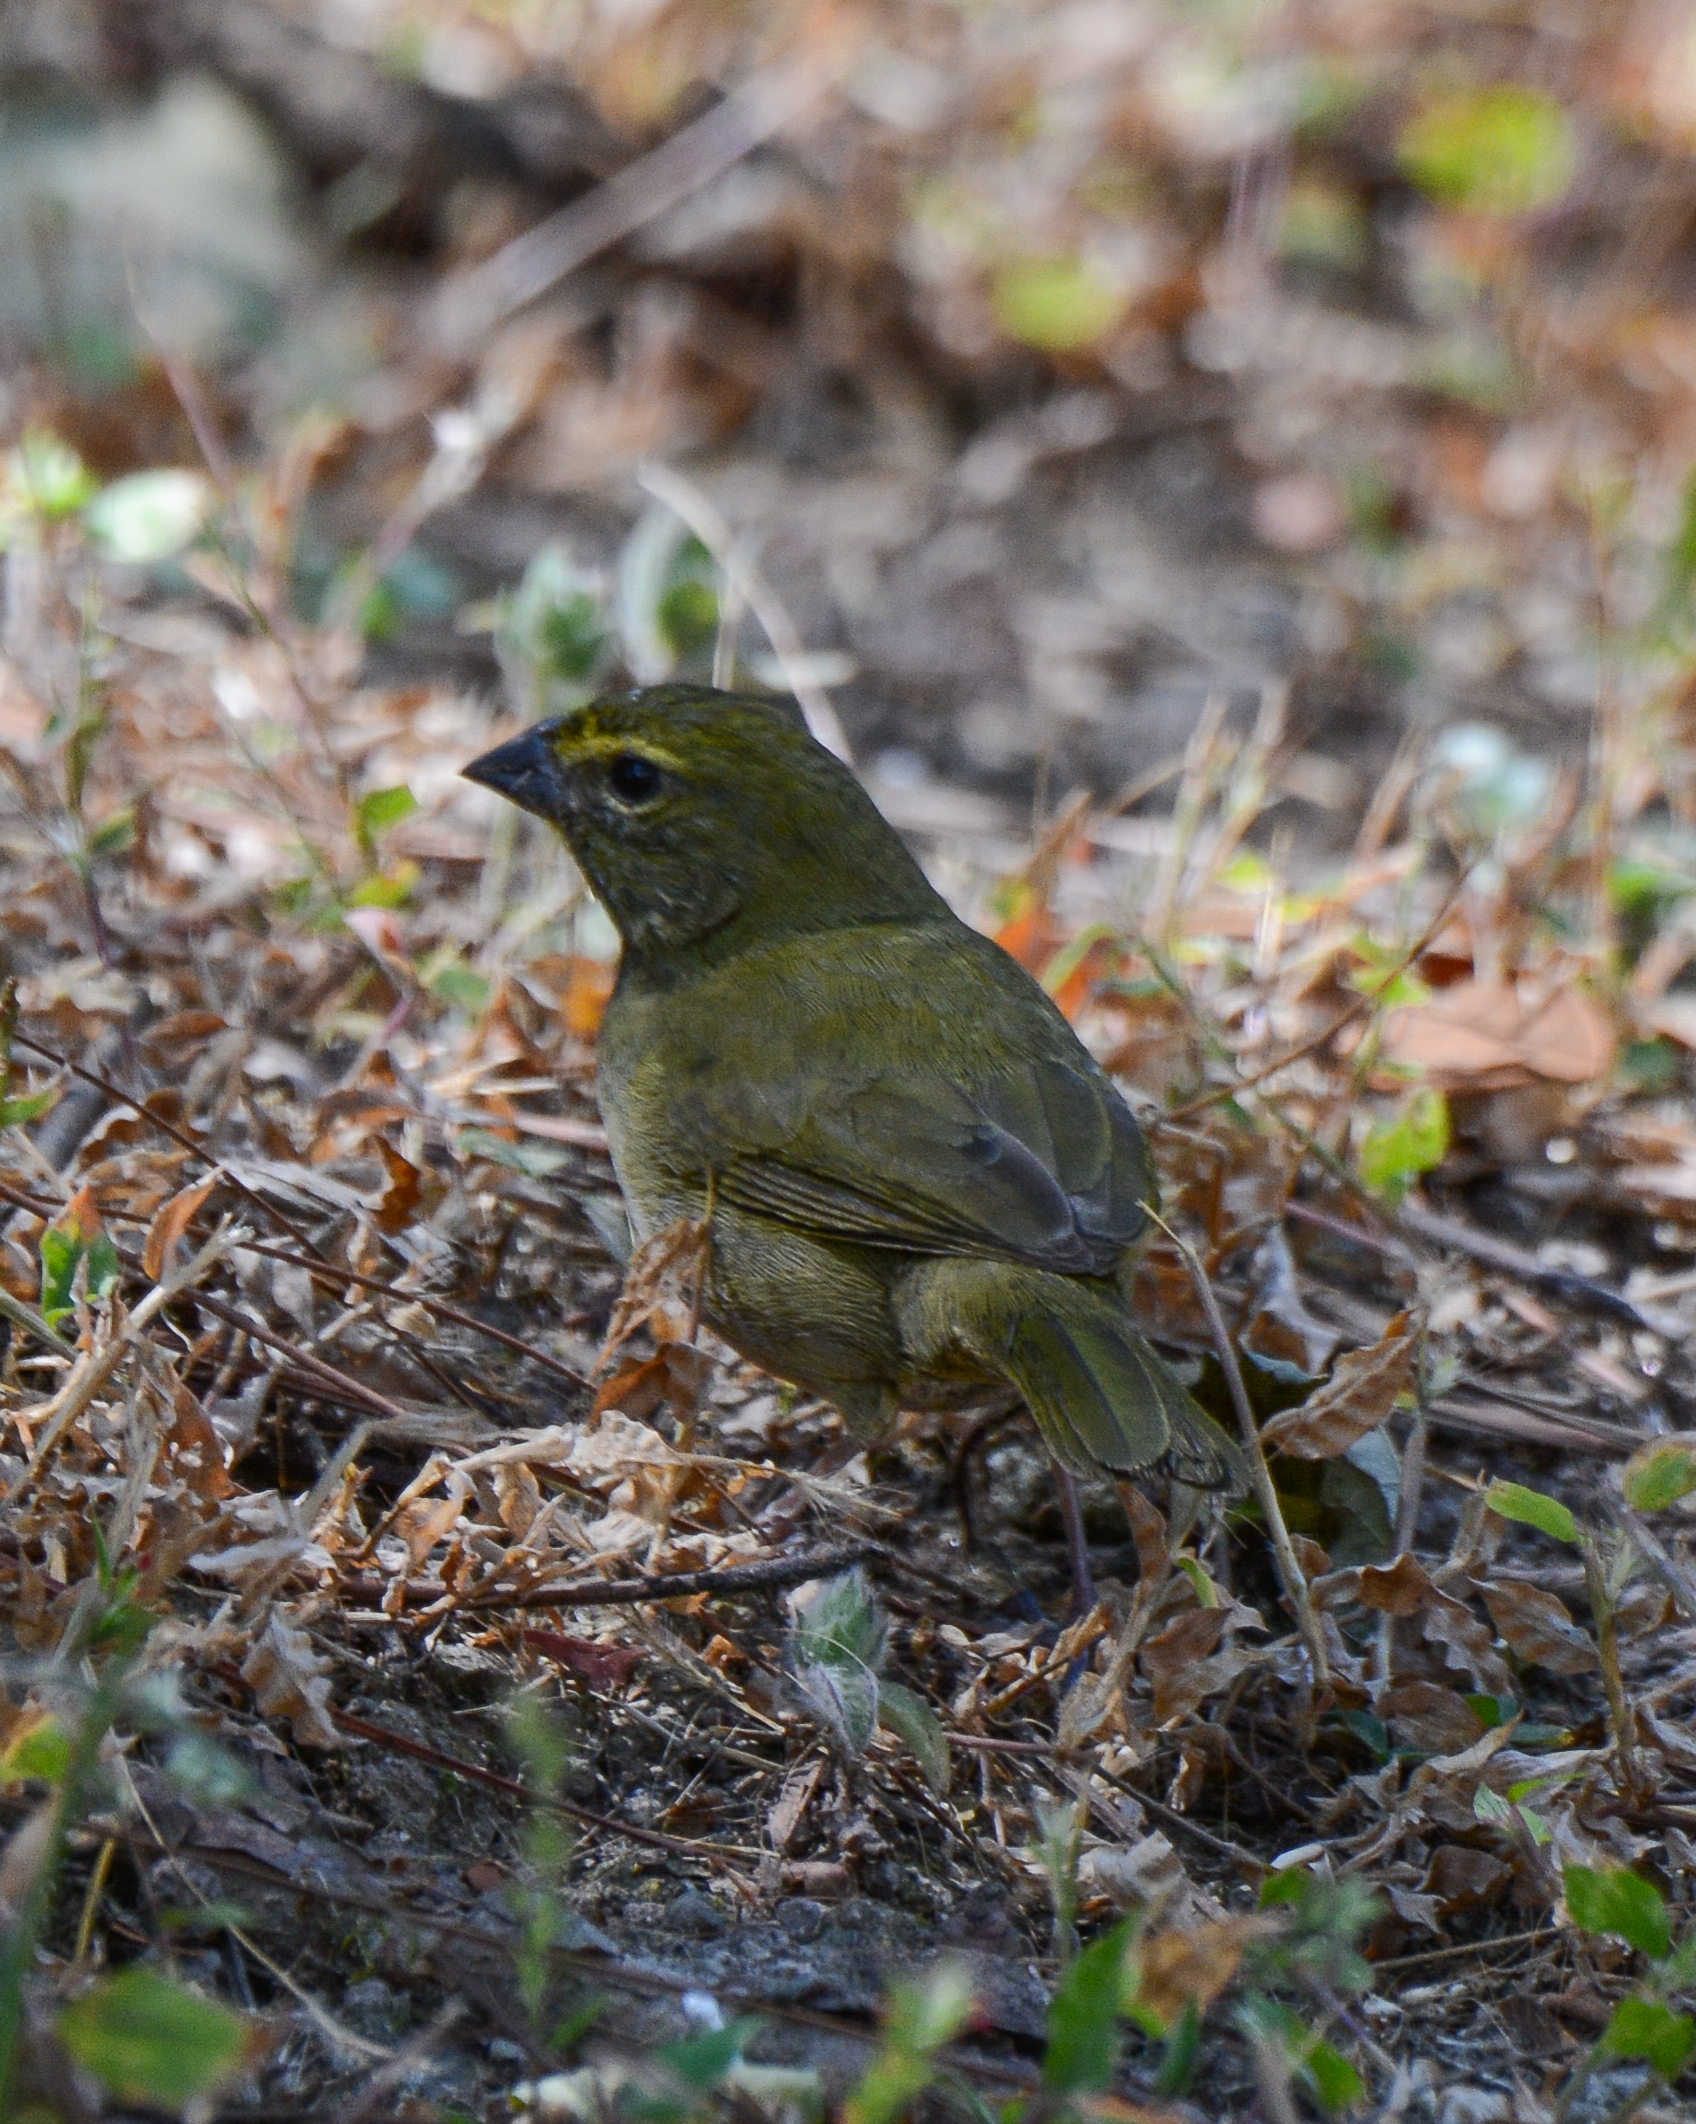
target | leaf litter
[{"x": 325, "y": 1369}]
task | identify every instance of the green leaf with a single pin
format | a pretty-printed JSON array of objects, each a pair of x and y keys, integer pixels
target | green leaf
[
  {"x": 28, "y": 1106},
  {"x": 1334, "y": 2080},
  {"x": 1058, "y": 303},
  {"x": 379, "y": 809},
  {"x": 918, "y": 1725},
  {"x": 114, "y": 834},
  {"x": 1083, "y": 2022},
  {"x": 1396, "y": 1151},
  {"x": 1620, "y": 1902},
  {"x": 1649, "y": 2029},
  {"x": 838, "y": 1624},
  {"x": 1181, "y": 2053},
  {"x": 1532, "y": 1508},
  {"x": 150, "y": 516},
  {"x": 1659, "y": 1474},
  {"x": 150, "y": 2040},
  {"x": 60, "y": 1254},
  {"x": 701, "y": 2061},
  {"x": 48, "y": 477},
  {"x": 39, "y": 1750},
  {"x": 922, "y": 2016},
  {"x": 1499, "y": 151}
]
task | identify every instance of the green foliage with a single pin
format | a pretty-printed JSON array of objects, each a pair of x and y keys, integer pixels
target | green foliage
[
  {"x": 1651, "y": 2030},
  {"x": 552, "y": 633},
  {"x": 1499, "y": 151},
  {"x": 377, "y": 811},
  {"x": 1658, "y": 1475},
  {"x": 1321, "y": 2068},
  {"x": 1396, "y": 1151},
  {"x": 1057, "y": 303},
  {"x": 39, "y": 1750},
  {"x": 150, "y": 2040},
  {"x": 922, "y": 2017},
  {"x": 43, "y": 478},
  {"x": 545, "y": 1919},
  {"x": 1620, "y": 1902},
  {"x": 65, "y": 1248},
  {"x": 1083, "y": 2021},
  {"x": 1532, "y": 1508},
  {"x": 837, "y": 1647}
]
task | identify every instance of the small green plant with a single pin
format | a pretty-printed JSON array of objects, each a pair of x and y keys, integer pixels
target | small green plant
[
  {"x": 1395, "y": 1152},
  {"x": 1645, "y": 2028},
  {"x": 837, "y": 1647},
  {"x": 545, "y": 1918}
]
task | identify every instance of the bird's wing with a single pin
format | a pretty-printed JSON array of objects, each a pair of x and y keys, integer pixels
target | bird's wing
[{"x": 983, "y": 1129}]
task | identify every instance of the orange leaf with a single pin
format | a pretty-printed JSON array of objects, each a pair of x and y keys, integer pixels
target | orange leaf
[{"x": 170, "y": 1223}]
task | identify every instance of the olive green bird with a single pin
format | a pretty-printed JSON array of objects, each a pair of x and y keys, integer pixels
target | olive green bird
[{"x": 920, "y": 1184}]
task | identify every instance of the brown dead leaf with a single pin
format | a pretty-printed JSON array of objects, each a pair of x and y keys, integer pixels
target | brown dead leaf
[
  {"x": 193, "y": 1451},
  {"x": 1192, "y": 1967},
  {"x": 404, "y": 1191},
  {"x": 170, "y": 1224},
  {"x": 1466, "y": 1642},
  {"x": 1399, "y": 1588},
  {"x": 1148, "y": 1531},
  {"x": 601, "y": 1666},
  {"x": 792, "y": 1803},
  {"x": 1488, "y": 1035},
  {"x": 1171, "y": 1655},
  {"x": 1459, "y": 1876},
  {"x": 1359, "y": 1395},
  {"x": 289, "y": 1680},
  {"x": 1423, "y": 1715},
  {"x": 675, "y": 1377},
  {"x": 1536, "y": 1627}
]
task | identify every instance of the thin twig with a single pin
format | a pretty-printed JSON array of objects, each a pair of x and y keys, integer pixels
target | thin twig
[
  {"x": 749, "y": 583},
  {"x": 1260, "y": 1475},
  {"x": 473, "y": 302}
]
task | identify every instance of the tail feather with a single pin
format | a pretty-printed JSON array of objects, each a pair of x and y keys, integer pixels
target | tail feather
[{"x": 1102, "y": 1397}]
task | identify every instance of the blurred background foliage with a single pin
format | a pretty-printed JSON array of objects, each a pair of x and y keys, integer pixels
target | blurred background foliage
[{"x": 1062, "y": 364}]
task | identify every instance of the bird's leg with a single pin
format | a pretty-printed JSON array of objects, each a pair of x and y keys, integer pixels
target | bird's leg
[{"x": 1083, "y": 1584}]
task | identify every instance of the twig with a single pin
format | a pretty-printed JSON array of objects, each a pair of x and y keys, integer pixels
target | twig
[
  {"x": 421, "y": 1751},
  {"x": 1502, "y": 1254},
  {"x": 1357, "y": 1009},
  {"x": 165, "y": 1128},
  {"x": 346, "y": 1388},
  {"x": 749, "y": 583},
  {"x": 624, "y": 1592},
  {"x": 1260, "y": 1475},
  {"x": 473, "y": 302}
]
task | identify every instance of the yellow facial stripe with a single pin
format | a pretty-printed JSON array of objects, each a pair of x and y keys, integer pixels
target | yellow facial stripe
[{"x": 587, "y": 742}]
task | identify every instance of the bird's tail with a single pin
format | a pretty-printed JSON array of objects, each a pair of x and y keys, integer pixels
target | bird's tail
[{"x": 1101, "y": 1396}]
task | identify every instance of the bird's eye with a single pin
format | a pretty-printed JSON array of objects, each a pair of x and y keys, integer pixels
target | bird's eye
[{"x": 634, "y": 780}]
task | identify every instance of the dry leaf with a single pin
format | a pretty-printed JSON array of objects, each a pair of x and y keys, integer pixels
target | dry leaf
[
  {"x": 675, "y": 1377},
  {"x": 1177, "y": 1969},
  {"x": 792, "y": 1803},
  {"x": 289, "y": 1680},
  {"x": 1488, "y": 1035},
  {"x": 170, "y": 1224},
  {"x": 1536, "y": 1627},
  {"x": 1465, "y": 1641},
  {"x": 1423, "y": 1715},
  {"x": 601, "y": 1666},
  {"x": 1459, "y": 1876},
  {"x": 402, "y": 1195},
  {"x": 1359, "y": 1395},
  {"x": 1399, "y": 1588}
]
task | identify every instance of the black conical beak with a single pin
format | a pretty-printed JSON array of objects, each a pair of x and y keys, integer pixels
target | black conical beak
[{"x": 525, "y": 771}]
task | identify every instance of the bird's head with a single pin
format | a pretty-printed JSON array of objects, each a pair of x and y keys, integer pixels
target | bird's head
[{"x": 708, "y": 822}]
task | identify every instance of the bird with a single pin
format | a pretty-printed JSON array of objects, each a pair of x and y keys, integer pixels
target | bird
[{"x": 920, "y": 1188}]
